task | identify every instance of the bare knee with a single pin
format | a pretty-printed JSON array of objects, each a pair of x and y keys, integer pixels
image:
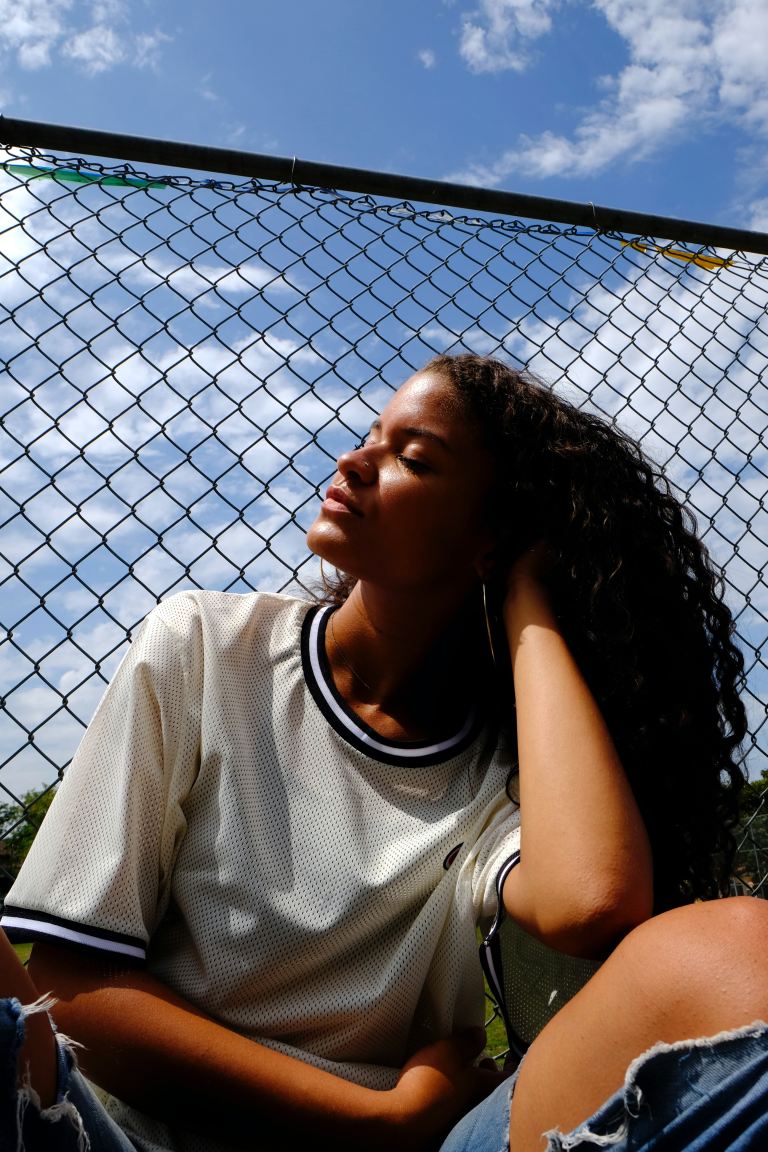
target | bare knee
[
  {"x": 707, "y": 960},
  {"x": 738, "y": 924}
]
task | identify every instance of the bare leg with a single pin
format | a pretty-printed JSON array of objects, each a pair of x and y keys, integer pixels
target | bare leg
[
  {"x": 38, "y": 1053},
  {"x": 695, "y": 971}
]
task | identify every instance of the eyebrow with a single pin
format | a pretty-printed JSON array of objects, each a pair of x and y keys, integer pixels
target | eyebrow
[{"x": 419, "y": 433}]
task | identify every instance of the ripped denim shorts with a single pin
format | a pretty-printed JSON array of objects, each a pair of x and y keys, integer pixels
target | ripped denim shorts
[
  {"x": 704, "y": 1095},
  {"x": 76, "y": 1122}
]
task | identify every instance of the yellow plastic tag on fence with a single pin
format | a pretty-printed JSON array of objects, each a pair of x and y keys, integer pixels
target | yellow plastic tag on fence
[{"x": 711, "y": 263}]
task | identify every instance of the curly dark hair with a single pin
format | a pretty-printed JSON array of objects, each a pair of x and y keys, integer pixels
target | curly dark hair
[{"x": 640, "y": 604}]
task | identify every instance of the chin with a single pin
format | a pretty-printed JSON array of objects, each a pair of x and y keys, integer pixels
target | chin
[{"x": 321, "y": 542}]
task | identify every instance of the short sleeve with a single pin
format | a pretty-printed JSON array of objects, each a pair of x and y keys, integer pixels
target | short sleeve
[
  {"x": 99, "y": 870},
  {"x": 498, "y": 844}
]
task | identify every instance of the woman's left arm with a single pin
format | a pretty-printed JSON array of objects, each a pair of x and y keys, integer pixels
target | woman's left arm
[{"x": 585, "y": 875}]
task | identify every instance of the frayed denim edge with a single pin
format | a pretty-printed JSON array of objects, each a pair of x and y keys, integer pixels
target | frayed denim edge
[
  {"x": 563, "y": 1141},
  {"x": 63, "y": 1110}
]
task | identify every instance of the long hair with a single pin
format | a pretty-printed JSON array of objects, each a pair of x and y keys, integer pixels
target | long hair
[{"x": 640, "y": 604}]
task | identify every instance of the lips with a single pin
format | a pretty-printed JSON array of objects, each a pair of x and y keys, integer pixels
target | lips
[{"x": 338, "y": 500}]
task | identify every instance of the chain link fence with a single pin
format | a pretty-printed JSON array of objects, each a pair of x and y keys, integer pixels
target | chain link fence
[{"x": 185, "y": 357}]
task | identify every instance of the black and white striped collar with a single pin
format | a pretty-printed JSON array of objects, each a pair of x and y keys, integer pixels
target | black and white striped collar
[{"x": 317, "y": 672}]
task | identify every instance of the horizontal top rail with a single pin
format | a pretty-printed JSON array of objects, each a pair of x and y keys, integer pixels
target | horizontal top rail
[{"x": 292, "y": 170}]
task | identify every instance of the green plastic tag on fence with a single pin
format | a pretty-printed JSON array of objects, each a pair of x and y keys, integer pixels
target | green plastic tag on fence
[{"x": 72, "y": 176}]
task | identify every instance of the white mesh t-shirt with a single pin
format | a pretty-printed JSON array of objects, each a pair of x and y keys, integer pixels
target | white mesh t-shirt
[{"x": 231, "y": 822}]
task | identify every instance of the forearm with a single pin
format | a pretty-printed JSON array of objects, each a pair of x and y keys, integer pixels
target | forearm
[
  {"x": 585, "y": 874},
  {"x": 156, "y": 1052}
]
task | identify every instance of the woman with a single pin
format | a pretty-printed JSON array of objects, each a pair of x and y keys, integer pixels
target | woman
[{"x": 308, "y": 922}]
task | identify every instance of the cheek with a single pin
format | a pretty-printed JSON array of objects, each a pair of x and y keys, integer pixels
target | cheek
[{"x": 450, "y": 537}]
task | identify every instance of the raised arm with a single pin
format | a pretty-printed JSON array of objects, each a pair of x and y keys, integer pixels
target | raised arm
[
  {"x": 585, "y": 872},
  {"x": 157, "y": 1052}
]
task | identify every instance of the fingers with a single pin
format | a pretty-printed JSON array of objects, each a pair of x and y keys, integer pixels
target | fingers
[{"x": 489, "y": 1064}]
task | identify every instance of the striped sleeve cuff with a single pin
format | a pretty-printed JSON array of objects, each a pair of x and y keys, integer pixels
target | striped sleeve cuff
[{"x": 25, "y": 924}]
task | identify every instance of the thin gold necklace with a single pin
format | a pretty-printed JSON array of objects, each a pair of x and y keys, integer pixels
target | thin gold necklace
[{"x": 343, "y": 656}]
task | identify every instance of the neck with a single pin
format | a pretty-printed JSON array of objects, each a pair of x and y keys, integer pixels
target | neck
[{"x": 403, "y": 649}]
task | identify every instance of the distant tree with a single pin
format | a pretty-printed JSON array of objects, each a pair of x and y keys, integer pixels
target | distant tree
[
  {"x": 755, "y": 793},
  {"x": 18, "y": 827},
  {"x": 751, "y": 864}
]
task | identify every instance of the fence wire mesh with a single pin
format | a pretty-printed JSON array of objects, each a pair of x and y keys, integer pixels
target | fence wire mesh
[{"x": 184, "y": 358}]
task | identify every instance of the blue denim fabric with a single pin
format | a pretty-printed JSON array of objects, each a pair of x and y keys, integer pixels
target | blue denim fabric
[
  {"x": 705, "y": 1095},
  {"x": 486, "y": 1127},
  {"x": 75, "y": 1123}
]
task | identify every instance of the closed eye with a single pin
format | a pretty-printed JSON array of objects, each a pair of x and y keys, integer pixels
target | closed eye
[{"x": 413, "y": 465}]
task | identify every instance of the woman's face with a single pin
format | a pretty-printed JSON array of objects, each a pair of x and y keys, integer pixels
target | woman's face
[{"x": 406, "y": 509}]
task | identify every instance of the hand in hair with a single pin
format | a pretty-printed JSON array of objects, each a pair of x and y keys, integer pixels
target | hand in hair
[
  {"x": 585, "y": 873},
  {"x": 534, "y": 564}
]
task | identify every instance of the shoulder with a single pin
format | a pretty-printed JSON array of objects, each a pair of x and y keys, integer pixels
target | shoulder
[
  {"x": 197, "y": 630},
  {"x": 222, "y": 619}
]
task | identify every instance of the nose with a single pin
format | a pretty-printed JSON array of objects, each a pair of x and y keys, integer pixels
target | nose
[{"x": 356, "y": 464}]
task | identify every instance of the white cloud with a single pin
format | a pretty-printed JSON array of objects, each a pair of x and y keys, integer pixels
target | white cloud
[
  {"x": 147, "y": 48},
  {"x": 672, "y": 358},
  {"x": 758, "y": 215},
  {"x": 496, "y": 36},
  {"x": 207, "y": 91},
  {"x": 96, "y": 36},
  {"x": 694, "y": 59},
  {"x": 98, "y": 49},
  {"x": 195, "y": 279},
  {"x": 740, "y": 34},
  {"x": 31, "y": 28},
  {"x": 428, "y": 58}
]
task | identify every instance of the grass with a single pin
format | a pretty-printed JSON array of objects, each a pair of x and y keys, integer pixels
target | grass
[{"x": 496, "y": 1037}]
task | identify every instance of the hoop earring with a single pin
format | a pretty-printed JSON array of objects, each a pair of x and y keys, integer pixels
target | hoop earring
[{"x": 488, "y": 624}]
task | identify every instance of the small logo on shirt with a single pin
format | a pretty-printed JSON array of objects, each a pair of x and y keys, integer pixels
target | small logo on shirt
[{"x": 452, "y": 856}]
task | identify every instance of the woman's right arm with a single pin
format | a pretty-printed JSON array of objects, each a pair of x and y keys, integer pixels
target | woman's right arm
[{"x": 158, "y": 1053}]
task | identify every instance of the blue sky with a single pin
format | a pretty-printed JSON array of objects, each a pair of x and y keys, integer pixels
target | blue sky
[
  {"x": 636, "y": 104},
  {"x": 612, "y": 102}
]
